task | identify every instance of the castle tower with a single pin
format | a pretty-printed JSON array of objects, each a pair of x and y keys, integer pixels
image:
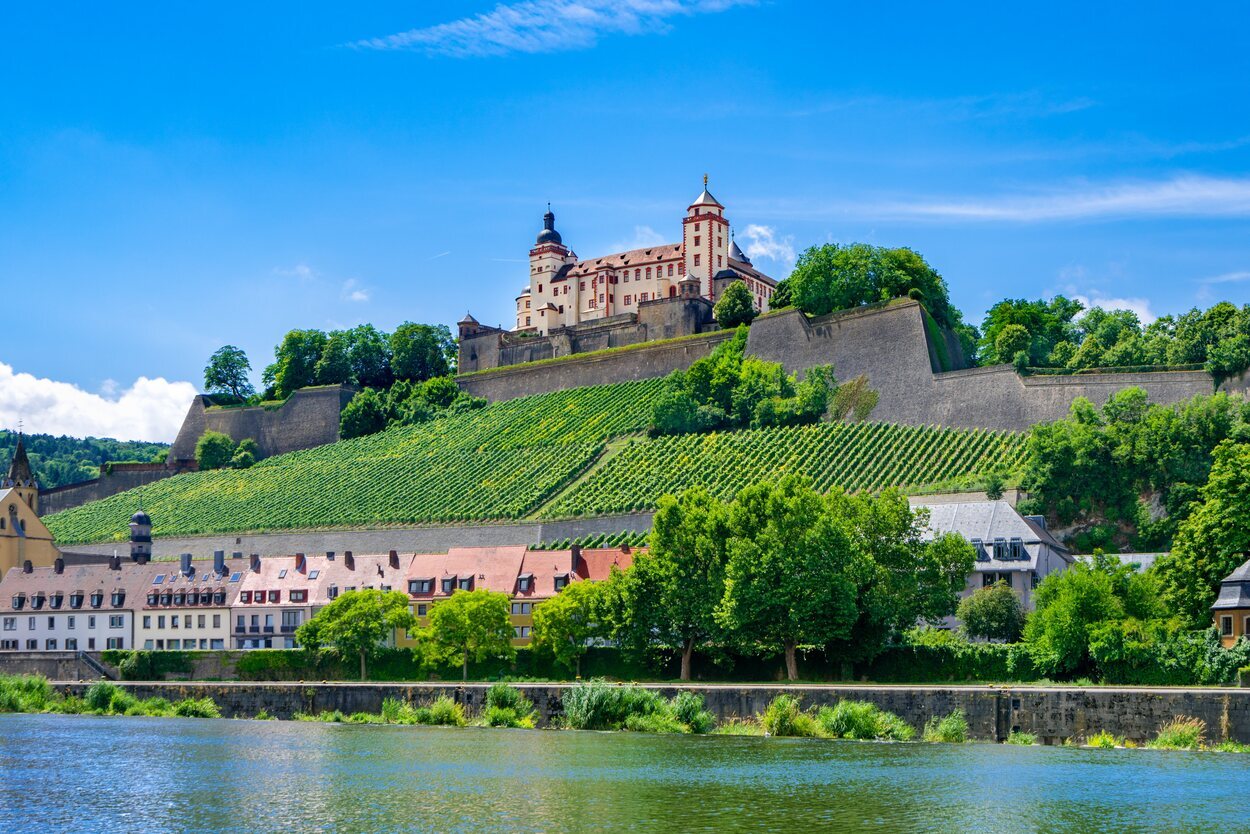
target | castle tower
[
  {"x": 548, "y": 303},
  {"x": 21, "y": 479},
  {"x": 705, "y": 240},
  {"x": 140, "y": 538}
]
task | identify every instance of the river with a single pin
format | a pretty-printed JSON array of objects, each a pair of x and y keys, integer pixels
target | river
[{"x": 82, "y": 773}]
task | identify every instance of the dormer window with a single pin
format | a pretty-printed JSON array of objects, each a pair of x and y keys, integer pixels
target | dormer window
[
  {"x": 19, "y": 602},
  {"x": 119, "y": 598},
  {"x": 466, "y": 583},
  {"x": 167, "y": 598},
  {"x": 449, "y": 584},
  {"x": 37, "y": 600},
  {"x": 180, "y": 598},
  {"x": 245, "y": 596},
  {"x": 1017, "y": 548},
  {"x": 525, "y": 583},
  {"x": 58, "y": 599},
  {"x": 219, "y": 598},
  {"x": 152, "y": 598},
  {"x": 75, "y": 600},
  {"x": 561, "y": 581},
  {"x": 1000, "y": 548},
  {"x": 332, "y": 591},
  {"x": 97, "y": 599},
  {"x": 979, "y": 547},
  {"x": 419, "y": 587}
]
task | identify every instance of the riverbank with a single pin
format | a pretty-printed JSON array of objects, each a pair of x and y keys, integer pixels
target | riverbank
[{"x": 1051, "y": 714}]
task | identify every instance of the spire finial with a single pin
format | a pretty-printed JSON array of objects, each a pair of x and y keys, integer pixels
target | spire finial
[{"x": 705, "y": 182}]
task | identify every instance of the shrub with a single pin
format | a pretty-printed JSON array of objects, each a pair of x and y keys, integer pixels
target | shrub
[
  {"x": 197, "y": 708},
  {"x": 505, "y": 717},
  {"x": 863, "y": 721},
  {"x": 365, "y": 718},
  {"x": 506, "y": 706},
  {"x": 99, "y": 695},
  {"x": 1021, "y": 738},
  {"x": 25, "y": 693},
  {"x": 395, "y": 711},
  {"x": 661, "y": 721},
  {"x": 783, "y": 717},
  {"x": 264, "y": 715},
  {"x": 950, "y": 729},
  {"x": 1104, "y": 741},
  {"x": 446, "y": 712},
  {"x": 1181, "y": 733},
  {"x": 688, "y": 709},
  {"x": 598, "y": 705}
]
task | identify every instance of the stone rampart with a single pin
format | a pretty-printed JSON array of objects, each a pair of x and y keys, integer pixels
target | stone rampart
[
  {"x": 310, "y": 417},
  {"x": 403, "y": 539},
  {"x": 1053, "y": 713},
  {"x": 114, "y": 478},
  {"x": 890, "y": 345}
]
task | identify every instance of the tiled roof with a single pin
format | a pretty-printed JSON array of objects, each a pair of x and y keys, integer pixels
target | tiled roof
[
  {"x": 633, "y": 258},
  {"x": 987, "y": 521},
  {"x": 492, "y": 568},
  {"x": 135, "y": 579},
  {"x": 1235, "y": 589}
]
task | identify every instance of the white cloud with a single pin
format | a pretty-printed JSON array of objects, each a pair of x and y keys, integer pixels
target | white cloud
[
  {"x": 150, "y": 409},
  {"x": 1140, "y": 306},
  {"x": 644, "y": 236},
  {"x": 1179, "y": 196},
  {"x": 304, "y": 272},
  {"x": 352, "y": 291},
  {"x": 765, "y": 243},
  {"x": 545, "y": 26},
  {"x": 1228, "y": 277}
]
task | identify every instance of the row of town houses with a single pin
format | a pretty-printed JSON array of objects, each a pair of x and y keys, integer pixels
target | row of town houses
[{"x": 251, "y": 602}]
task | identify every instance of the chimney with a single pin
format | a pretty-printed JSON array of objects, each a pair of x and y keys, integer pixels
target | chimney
[
  {"x": 255, "y": 563},
  {"x": 59, "y": 565},
  {"x": 219, "y": 562},
  {"x": 186, "y": 564},
  {"x": 349, "y": 561},
  {"x": 115, "y": 562},
  {"x": 395, "y": 560},
  {"x": 28, "y": 567},
  {"x": 575, "y": 555},
  {"x": 329, "y": 555},
  {"x": 301, "y": 563}
]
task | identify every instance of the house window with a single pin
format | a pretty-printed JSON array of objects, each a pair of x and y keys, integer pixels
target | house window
[
  {"x": 681, "y": 268},
  {"x": 50, "y": 644},
  {"x": 71, "y": 644},
  {"x": 75, "y": 601},
  {"x": 720, "y": 241},
  {"x": 216, "y": 621},
  {"x": 115, "y": 621},
  {"x": 527, "y": 321},
  {"x": 525, "y": 583},
  {"x": 581, "y": 286},
  {"x": 246, "y": 596},
  {"x": 1226, "y": 626},
  {"x": 525, "y": 631},
  {"x": 275, "y": 596},
  {"x": 19, "y": 600},
  {"x": 10, "y": 623},
  {"x": 51, "y": 623},
  {"x": 638, "y": 274},
  {"x": 115, "y": 643},
  {"x": 30, "y": 623},
  {"x": 1033, "y": 580},
  {"x": 91, "y": 621},
  {"x": 202, "y": 621},
  {"x": 32, "y": 645},
  {"x": 147, "y": 620},
  {"x": 422, "y": 609},
  {"x": 670, "y": 270},
  {"x": 291, "y": 619},
  {"x": 299, "y": 596},
  {"x": 119, "y": 597},
  {"x": 696, "y": 225}
]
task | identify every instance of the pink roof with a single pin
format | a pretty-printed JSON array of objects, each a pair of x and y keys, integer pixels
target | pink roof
[{"x": 492, "y": 568}]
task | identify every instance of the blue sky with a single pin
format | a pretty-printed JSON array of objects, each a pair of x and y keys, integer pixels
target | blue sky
[{"x": 177, "y": 177}]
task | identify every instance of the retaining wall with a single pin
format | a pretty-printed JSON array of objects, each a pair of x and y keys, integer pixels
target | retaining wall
[
  {"x": 403, "y": 539},
  {"x": 119, "y": 477},
  {"x": 1052, "y": 713}
]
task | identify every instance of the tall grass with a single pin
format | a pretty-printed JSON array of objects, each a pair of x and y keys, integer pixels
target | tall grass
[
  {"x": 1181, "y": 733},
  {"x": 949, "y": 729},
  {"x": 598, "y": 705},
  {"x": 507, "y": 706},
  {"x": 863, "y": 721},
  {"x": 25, "y": 693}
]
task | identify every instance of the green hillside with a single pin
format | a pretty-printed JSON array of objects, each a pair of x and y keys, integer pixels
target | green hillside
[{"x": 510, "y": 460}]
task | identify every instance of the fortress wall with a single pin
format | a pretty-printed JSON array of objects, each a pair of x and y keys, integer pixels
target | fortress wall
[
  {"x": 310, "y": 417},
  {"x": 577, "y": 371},
  {"x": 121, "y": 478},
  {"x": 405, "y": 540}
]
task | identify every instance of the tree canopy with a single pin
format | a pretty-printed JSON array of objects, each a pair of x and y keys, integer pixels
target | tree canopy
[
  {"x": 992, "y": 613},
  {"x": 56, "y": 461},
  {"x": 735, "y": 306},
  {"x": 227, "y": 372},
  {"x": 567, "y": 624},
  {"x": 357, "y": 623},
  {"x": 471, "y": 625}
]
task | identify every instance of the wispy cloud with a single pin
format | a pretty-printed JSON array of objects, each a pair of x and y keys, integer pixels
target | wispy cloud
[
  {"x": 545, "y": 26},
  {"x": 1228, "y": 278},
  {"x": 302, "y": 271},
  {"x": 1180, "y": 196},
  {"x": 439, "y": 255},
  {"x": 150, "y": 409},
  {"x": 644, "y": 236},
  {"x": 352, "y": 291},
  {"x": 764, "y": 242},
  {"x": 1140, "y": 306}
]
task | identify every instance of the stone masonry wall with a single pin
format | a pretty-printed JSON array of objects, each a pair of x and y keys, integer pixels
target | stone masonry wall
[
  {"x": 1053, "y": 713},
  {"x": 309, "y": 418},
  {"x": 405, "y": 540},
  {"x": 122, "y": 477}
]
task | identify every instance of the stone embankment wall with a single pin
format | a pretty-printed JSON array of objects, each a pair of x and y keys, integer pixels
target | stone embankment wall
[
  {"x": 403, "y": 539},
  {"x": 310, "y": 417},
  {"x": 118, "y": 478},
  {"x": 1053, "y": 713},
  {"x": 56, "y": 666}
]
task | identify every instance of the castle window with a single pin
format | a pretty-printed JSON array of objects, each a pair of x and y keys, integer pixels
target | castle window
[
  {"x": 540, "y": 287},
  {"x": 670, "y": 270},
  {"x": 527, "y": 305},
  {"x": 696, "y": 260},
  {"x": 527, "y": 321},
  {"x": 697, "y": 239},
  {"x": 626, "y": 276},
  {"x": 696, "y": 225},
  {"x": 642, "y": 297},
  {"x": 561, "y": 308},
  {"x": 581, "y": 286},
  {"x": 637, "y": 274},
  {"x": 600, "y": 298},
  {"x": 681, "y": 268},
  {"x": 718, "y": 260},
  {"x": 719, "y": 241},
  {"x": 648, "y": 272},
  {"x": 628, "y": 300}
]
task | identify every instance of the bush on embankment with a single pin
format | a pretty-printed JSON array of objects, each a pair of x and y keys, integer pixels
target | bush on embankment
[
  {"x": 599, "y": 705},
  {"x": 857, "y": 720}
]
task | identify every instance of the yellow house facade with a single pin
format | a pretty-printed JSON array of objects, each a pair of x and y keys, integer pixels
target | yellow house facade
[{"x": 23, "y": 537}]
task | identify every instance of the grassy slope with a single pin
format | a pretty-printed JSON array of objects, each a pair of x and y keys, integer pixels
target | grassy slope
[{"x": 531, "y": 456}]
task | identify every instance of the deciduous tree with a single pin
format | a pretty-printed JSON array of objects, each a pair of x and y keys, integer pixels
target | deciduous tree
[
  {"x": 213, "y": 450},
  {"x": 227, "y": 371},
  {"x": 472, "y": 624},
  {"x": 567, "y": 624},
  {"x": 422, "y": 351},
  {"x": 357, "y": 623},
  {"x": 992, "y": 613},
  {"x": 735, "y": 306}
]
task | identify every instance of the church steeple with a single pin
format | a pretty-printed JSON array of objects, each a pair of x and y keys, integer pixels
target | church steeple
[{"x": 21, "y": 478}]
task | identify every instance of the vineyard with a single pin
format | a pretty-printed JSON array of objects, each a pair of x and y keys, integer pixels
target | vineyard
[
  {"x": 507, "y": 460},
  {"x": 853, "y": 456}
]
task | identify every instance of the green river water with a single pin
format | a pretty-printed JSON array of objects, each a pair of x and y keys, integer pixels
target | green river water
[{"x": 81, "y": 773}]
